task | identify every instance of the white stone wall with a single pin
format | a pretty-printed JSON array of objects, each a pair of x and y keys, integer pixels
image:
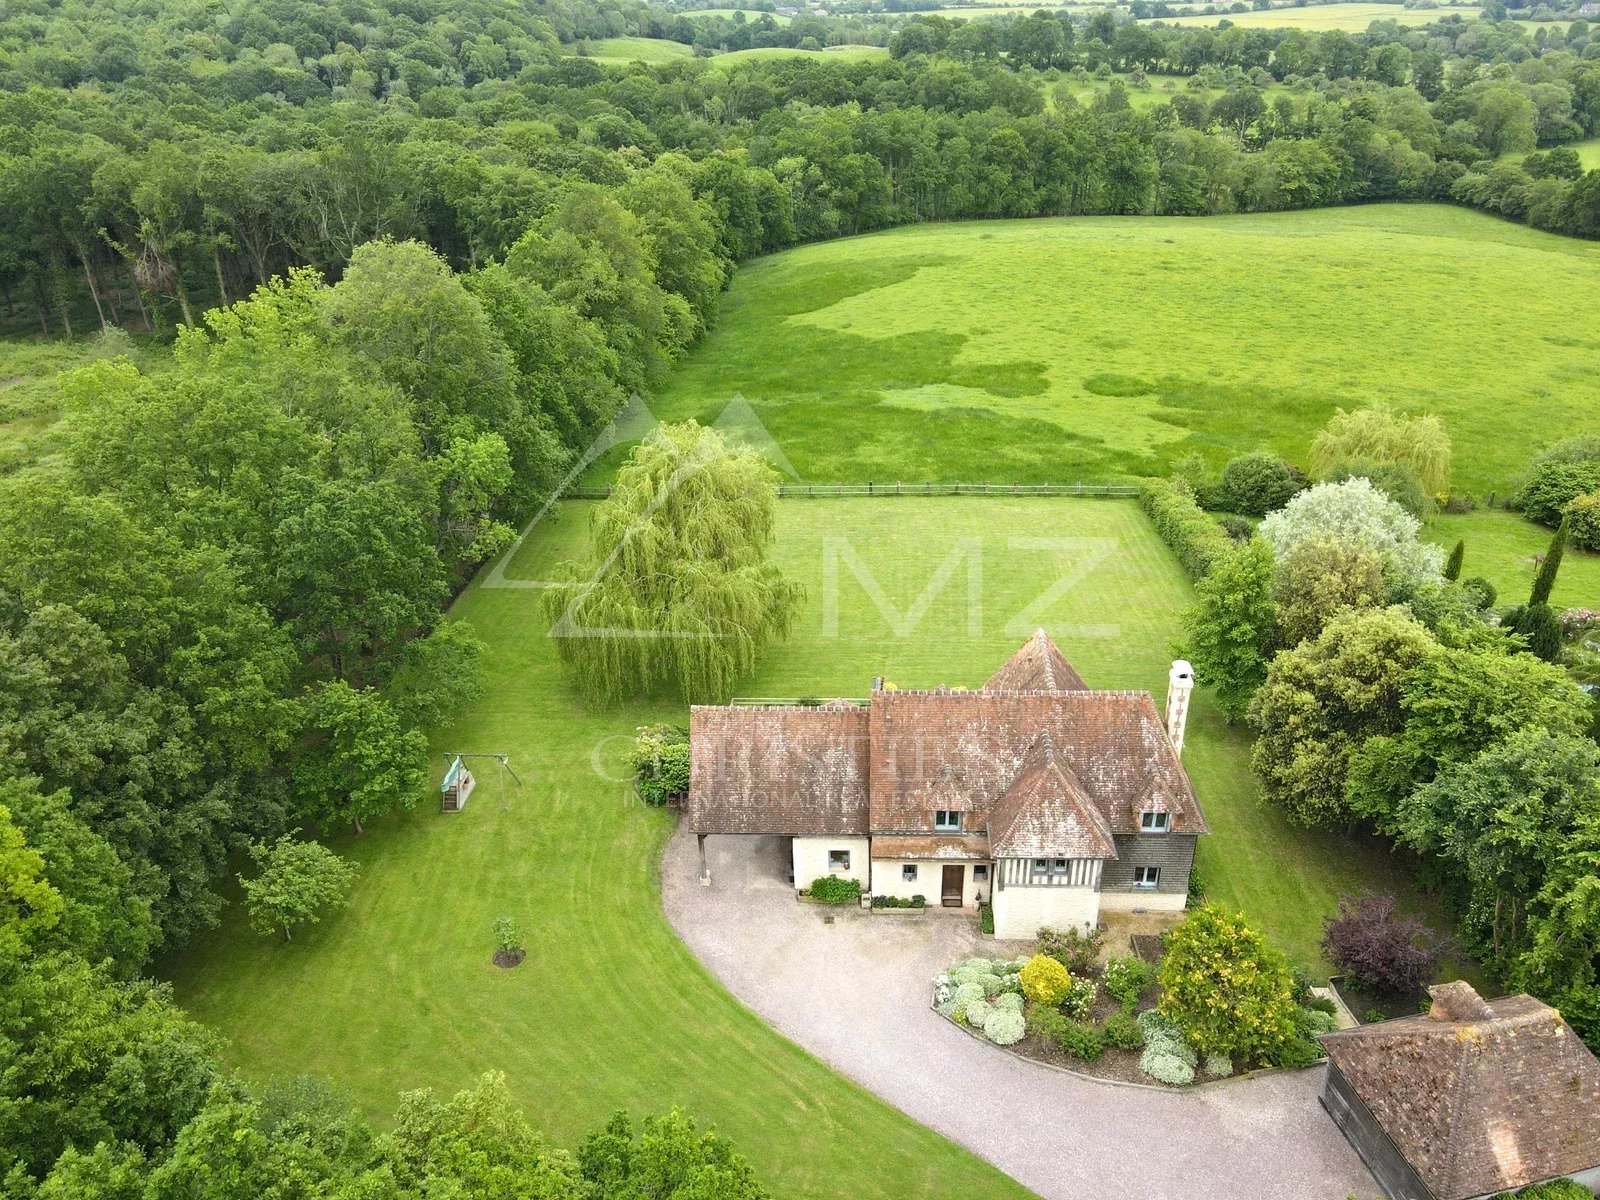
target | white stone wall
[
  {"x": 1020, "y": 912},
  {"x": 811, "y": 859},
  {"x": 1151, "y": 901},
  {"x": 888, "y": 880}
]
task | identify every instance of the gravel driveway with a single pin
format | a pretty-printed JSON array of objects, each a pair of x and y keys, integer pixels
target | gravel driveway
[{"x": 855, "y": 993}]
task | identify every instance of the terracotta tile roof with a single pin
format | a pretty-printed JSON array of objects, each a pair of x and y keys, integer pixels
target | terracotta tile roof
[
  {"x": 1480, "y": 1096},
  {"x": 1046, "y": 813},
  {"x": 1037, "y": 667},
  {"x": 783, "y": 770},
  {"x": 888, "y": 769},
  {"x": 933, "y": 750},
  {"x": 953, "y": 846}
]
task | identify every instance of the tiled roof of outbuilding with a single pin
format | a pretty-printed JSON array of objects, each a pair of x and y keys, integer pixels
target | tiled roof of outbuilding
[{"x": 1480, "y": 1096}]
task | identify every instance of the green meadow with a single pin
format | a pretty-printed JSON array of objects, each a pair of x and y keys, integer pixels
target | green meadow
[
  {"x": 610, "y": 1010},
  {"x": 1106, "y": 348},
  {"x": 1351, "y": 18},
  {"x": 1502, "y": 548},
  {"x": 635, "y": 49},
  {"x": 762, "y": 53}
]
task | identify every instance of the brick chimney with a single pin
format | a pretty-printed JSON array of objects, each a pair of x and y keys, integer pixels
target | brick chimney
[{"x": 1458, "y": 1003}]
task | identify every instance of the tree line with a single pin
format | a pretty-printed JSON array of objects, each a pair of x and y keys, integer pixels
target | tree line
[{"x": 151, "y": 169}]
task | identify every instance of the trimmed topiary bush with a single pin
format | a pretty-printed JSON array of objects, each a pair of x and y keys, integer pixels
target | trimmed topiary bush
[
  {"x": 1008, "y": 1002},
  {"x": 1081, "y": 1041},
  {"x": 1182, "y": 524},
  {"x": 1166, "y": 1068},
  {"x": 1004, "y": 1027},
  {"x": 978, "y": 1012},
  {"x": 1483, "y": 592},
  {"x": 1218, "y": 1066},
  {"x": 966, "y": 993},
  {"x": 1045, "y": 981}
]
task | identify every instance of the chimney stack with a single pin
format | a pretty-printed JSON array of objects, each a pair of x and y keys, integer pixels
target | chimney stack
[
  {"x": 1458, "y": 1002},
  {"x": 1180, "y": 683}
]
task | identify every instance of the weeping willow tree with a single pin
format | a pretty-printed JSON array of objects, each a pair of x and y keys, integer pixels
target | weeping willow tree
[
  {"x": 1378, "y": 435},
  {"x": 679, "y": 591}
]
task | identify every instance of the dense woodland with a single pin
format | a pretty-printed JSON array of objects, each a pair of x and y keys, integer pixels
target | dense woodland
[{"x": 437, "y": 251}]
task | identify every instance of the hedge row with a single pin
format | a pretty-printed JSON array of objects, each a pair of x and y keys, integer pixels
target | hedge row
[{"x": 1194, "y": 536}]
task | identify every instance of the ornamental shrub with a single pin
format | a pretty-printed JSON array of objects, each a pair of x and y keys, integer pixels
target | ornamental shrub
[
  {"x": 966, "y": 993},
  {"x": 1381, "y": 950},
  {"x": 1355, "y": 511},
  {"x": 660, "y": 761},
  {"x": 1127, "y": 980},
  {"x": 977, "y": 1013},
  {"x": 1044, "y": 1023},
  {"x": 1583, "y": 521},
  {"x": 1008, "y": 1002},
  {"x": 1122, "y": 1031},
  {"x": 1075, "y": 950},
  {"x": 1045, "y": 981},
  {"x": 1481, "y": 591},
  {"x": 1257, "y": 483},
  {"x": 1081, "y": 1041},
  {"x": 1552, "y": 486},
  {"x": 1539, "y": 626},
  {"x": 1225, "y": 987},
  {"x": 1004, "y": 1027},
  {"x": 958, "y": 1014},
  {"x": 1218, "y": 1066},
  {"x": 1395, "y": 480},
  {"x": 1182, "y": 524},
  {"x": 1166, "y": 1068},
  {"x": 1080, "y": 998},
  {"x": 1555, "y": 1189},
  {"x": 830, "y": 889}
]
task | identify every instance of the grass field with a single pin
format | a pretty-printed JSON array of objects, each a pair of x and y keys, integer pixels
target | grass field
[
  {"x": 1501, "y": 547},
  {"x": 1094, "y": 348},
  {"x": 636, "y": 49},
  {"x": 610, "y": 1010},
  {"x": 1351, "y": 18},
  {"x": 1588, "y": 153},
  {"x": 763, "y": 53},
  {"x": 750, "y": 15},
  {"x": 30, "y": 396}
]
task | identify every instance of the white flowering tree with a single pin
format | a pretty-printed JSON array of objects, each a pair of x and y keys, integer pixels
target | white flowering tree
[{"x": 1354, "y": 511}]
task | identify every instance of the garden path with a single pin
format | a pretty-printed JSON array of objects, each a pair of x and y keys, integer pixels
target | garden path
[{"x": 855, "y": 992}]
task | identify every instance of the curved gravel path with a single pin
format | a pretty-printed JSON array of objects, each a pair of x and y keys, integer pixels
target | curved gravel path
[{"x": 855, "y": 993}]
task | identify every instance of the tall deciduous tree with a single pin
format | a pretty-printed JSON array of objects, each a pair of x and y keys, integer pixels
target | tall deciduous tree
[
  {"x": 356, "y": 761},
  {"x": 680, "y": 589},
  {"x": 1231, "y": 631},
  {"x": 295, "y": 882}
]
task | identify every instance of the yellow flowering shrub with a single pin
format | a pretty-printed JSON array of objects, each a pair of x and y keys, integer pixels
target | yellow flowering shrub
[
  {"x": 1045, "y": 981},
  {"x": 1226, "y": 988}
]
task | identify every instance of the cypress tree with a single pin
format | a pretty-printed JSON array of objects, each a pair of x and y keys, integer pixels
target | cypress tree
[
  {"x": 1545, "y": 581},
  {"x": 1452, "y": 566}
]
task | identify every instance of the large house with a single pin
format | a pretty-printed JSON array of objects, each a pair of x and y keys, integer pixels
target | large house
[
  {"x": 1036, "y": 793},
  {"x": 1471, "y": 1099}
]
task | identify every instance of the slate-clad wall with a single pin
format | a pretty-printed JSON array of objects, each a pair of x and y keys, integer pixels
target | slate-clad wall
[{"x": 1172, "y": 852}]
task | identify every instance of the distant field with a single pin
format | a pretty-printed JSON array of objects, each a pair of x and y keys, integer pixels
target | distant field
[
  {"x": 751, "y": 15},
  {"x": 30, "y": 400},
  {"x": 1021, "y": 10},
  {"x": 636, "y": 49},
  {"x": 1161, "y": 89},
  {"x": 1352, "y": 18},
  {"x": 1588, "y": 153},
  {"x": 1111, "y": 347},
  {"x": 735, "y": 57}
]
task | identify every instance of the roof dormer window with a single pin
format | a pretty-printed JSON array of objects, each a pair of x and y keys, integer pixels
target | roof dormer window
[
  {"x": 1155, "y": 822},
  {"x": 947, "y": 820}
]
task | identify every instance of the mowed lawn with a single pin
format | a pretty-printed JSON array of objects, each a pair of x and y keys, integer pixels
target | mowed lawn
[
  {"x": 610, "y": 1010},
  {"x": 1351, "y": 18},
  {"x": 1501, "y": 547},
  {"x": 1097, "y": 348}
]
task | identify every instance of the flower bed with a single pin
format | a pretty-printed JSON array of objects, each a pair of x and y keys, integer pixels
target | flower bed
[{"x": 1101, "y": 1020}]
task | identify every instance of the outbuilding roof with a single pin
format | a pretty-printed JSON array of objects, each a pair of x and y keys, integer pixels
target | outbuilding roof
[{"x": 1480, "y": 1096}]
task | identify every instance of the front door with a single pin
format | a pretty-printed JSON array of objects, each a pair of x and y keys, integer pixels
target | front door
[{"x": 954, "y": 882}]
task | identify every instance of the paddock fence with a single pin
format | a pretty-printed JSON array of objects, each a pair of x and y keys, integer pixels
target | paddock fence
[{"x": 826, "y": 491}]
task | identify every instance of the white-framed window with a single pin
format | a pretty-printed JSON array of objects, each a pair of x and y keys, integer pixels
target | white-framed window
[
  {"x": 980, "y": 873},
  {"x": 838, "y": 860},
  {"x": 1155, "y": 822},
  {"x": 1146, "y": 877},
  {"x": 947, "y": 820},
  {"x": 908, "y": 873},
  {"x": 1046, "y": 869}
]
